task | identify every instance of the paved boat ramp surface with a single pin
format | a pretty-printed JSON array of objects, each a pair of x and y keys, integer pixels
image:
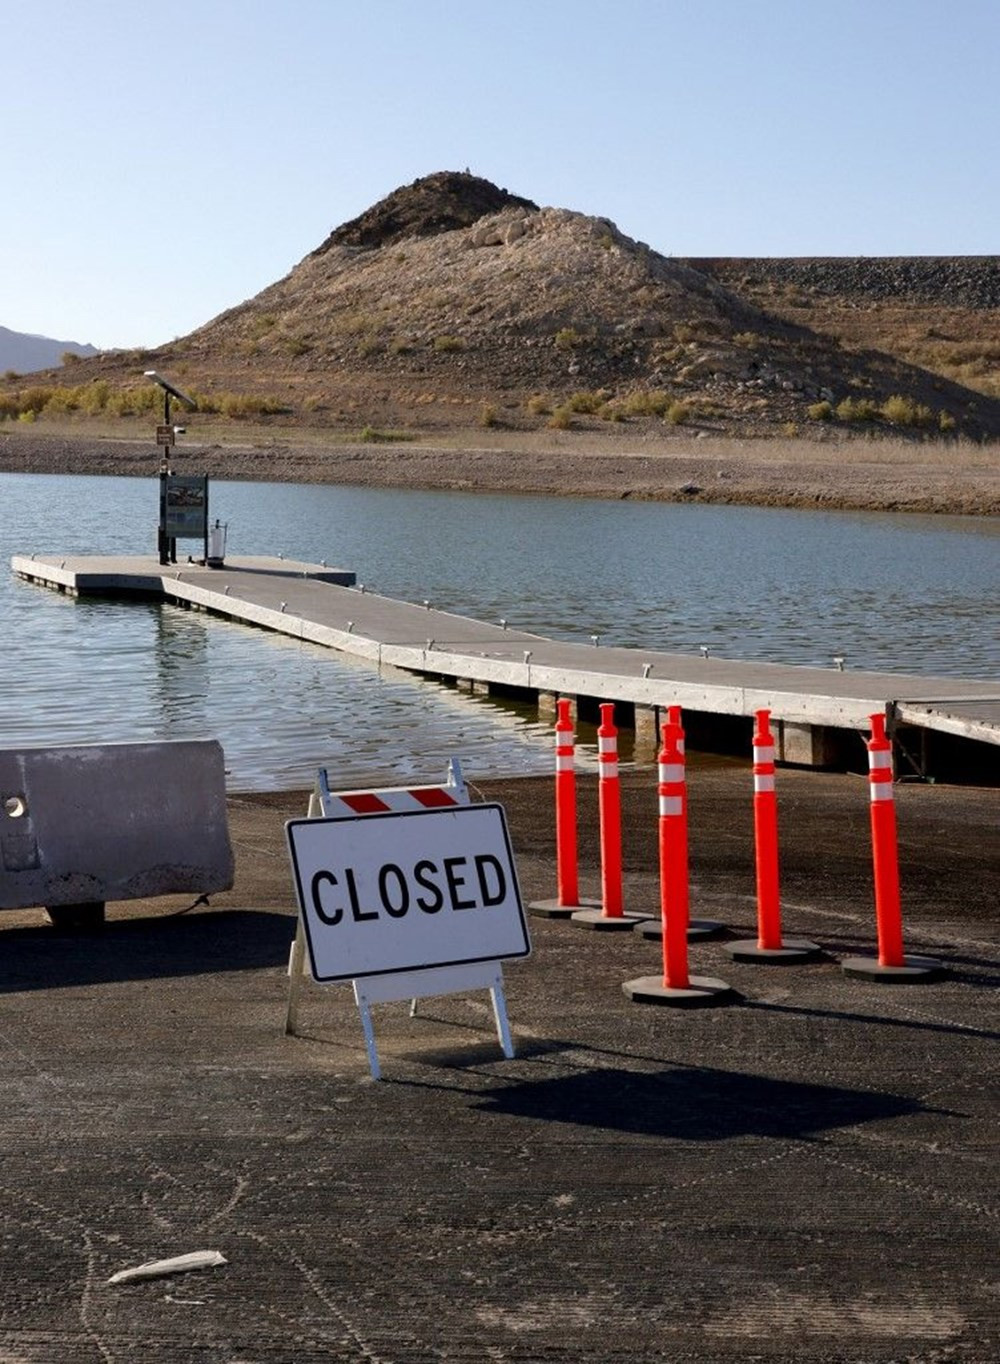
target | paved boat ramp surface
[{"x": 325, "y": 606}]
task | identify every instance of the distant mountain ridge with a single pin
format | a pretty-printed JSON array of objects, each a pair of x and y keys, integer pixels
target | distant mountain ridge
[{"x": 24, "y": 352}]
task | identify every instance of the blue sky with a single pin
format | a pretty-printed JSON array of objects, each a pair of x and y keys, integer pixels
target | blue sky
[{"x": 164, "y": 162}]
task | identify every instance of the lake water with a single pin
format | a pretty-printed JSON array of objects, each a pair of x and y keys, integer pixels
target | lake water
[{"x": 890, "y": 592}]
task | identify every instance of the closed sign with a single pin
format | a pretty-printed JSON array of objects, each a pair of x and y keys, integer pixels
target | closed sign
[{"x": 404, "y": 891}]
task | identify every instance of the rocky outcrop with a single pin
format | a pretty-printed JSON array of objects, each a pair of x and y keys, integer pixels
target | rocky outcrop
[{"x": 436, "y": 203}]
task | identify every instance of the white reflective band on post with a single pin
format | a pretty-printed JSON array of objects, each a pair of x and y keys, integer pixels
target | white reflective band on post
[
  {"x": 608, "y": 771},
  {"x": 763, "y": 781},
  {"x": 671, "y": 771},
  {"x": 564, "y": 762},
  {"x": 763, "y": 753},
  {"x": 879, "y": 757},
  {"x": 607, "y": 745},
  {"x": 671, "y": 805},
  {"x": 881, "y": 791}
]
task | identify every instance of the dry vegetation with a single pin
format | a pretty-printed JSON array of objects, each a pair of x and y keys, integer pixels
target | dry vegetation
[{"x": 452, "y": 306}]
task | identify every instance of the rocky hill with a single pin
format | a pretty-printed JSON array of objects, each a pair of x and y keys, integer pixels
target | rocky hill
[{"x": 453, "y": 302}]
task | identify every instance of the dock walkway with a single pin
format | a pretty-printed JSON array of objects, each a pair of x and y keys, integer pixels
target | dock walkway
[{"x": 324, "y": 606}]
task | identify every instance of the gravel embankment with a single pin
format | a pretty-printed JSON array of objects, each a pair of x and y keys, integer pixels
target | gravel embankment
[{"x": 957, "y": 478}]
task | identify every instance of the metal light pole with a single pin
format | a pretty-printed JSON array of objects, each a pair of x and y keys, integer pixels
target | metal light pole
[{"x": 165, "y": 436}]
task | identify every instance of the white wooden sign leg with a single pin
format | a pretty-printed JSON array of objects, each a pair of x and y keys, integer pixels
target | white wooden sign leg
[
  {"x": 296, "y": 962},
  {"x": 366, "y": 1023},
  {"x": 500, "y": 1014}
]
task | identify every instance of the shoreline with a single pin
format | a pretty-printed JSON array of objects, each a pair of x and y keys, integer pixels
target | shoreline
[{"x": 826, "y": 474}]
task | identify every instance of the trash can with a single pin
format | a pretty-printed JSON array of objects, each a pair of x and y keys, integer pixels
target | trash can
[{"x": 216, "y": 545}]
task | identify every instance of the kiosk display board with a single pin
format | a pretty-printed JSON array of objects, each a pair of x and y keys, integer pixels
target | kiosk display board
[{"x": 185, "y": 506}]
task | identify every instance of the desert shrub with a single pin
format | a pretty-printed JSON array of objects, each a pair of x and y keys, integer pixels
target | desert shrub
[
  {"x": 36, "y": 398},
  {"x": 902, "y": 411},
  {"x": 95, "y": 396},
  {"x": 120, "y": 402},
  {"x": 946, "y": 422},
  {"x": 587, "y": 401},
  {"x": 132, "y": 402},
  {"x": 8, "y": 406},
  {"x": 667, "y": 354},
  {"x": 248, "y": 405},
  {"x": 654, "y": 403},
  {"x": 10, "y": 375},
  {"x": 70, "y": 357},
  {"x": 26, "y": 416},
  {"x": 446, "y": 344},
  {"x": 679, "y": 412},
  {"x": 857, "y": 410},
  {"x": 820, "y": 412},
  {"x": 352, "y": 324},
  {"x": 561, "y": 419},
  {"x": 295, "y": 346},
  {"x": 488, "y": 415},
  {"x": 568, "y": 338},
  {"x": 400, "y": 346},
  {"x": 62, "y": 400},
  {"x": 538, "y": 406}
]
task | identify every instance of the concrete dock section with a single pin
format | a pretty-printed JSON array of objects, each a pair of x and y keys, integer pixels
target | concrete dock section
[{"x": 810, "y": 706}]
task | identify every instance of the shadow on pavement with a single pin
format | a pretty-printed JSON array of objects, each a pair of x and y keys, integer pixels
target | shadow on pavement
[
  {"x": 696, "y": 1104},
  {"x": 40, "y": 958}
]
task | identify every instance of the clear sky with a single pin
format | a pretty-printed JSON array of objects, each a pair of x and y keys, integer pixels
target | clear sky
[{"x": 163, "y": 162}]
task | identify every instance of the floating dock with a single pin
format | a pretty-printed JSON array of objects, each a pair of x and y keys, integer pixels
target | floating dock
[{"x": 818, "y": 714}]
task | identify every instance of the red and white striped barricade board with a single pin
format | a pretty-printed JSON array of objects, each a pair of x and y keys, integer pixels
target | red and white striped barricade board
[
  {"x": 332, "y": 804},
  {"x": 404, "y": 892}
]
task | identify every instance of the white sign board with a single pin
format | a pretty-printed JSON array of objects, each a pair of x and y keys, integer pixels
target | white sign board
[{"x": 406, "y": 891}]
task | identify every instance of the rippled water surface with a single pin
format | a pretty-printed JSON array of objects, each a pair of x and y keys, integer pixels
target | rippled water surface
[{"x": 894, "y": 592}]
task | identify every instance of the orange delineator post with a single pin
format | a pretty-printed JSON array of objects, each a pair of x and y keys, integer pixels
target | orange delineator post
[
  {"x": 765, "y": 825},
  {"x": 566, "y": 850},
  {"x": 610, "y": 811},
  {"x": 885, "y": 855},
  {"x": 674, "y": 900}
]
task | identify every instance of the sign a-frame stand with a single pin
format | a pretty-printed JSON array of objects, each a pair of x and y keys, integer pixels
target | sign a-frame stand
[{"x": 404, "y": 893}]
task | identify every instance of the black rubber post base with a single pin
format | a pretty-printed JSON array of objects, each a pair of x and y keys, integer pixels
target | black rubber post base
[
  {"x": 552, "y": 909},
  {"x": 83, "y": 917},
  {"x": 914, "y": 970},
  {"x": 698, "y": 929},
  {"x": 702, "y": 992},
  {"x": 600, "y": 922},
  {"x": 792, "y": 950}
]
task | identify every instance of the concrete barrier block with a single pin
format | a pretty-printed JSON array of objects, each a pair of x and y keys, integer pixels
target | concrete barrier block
[{"x": 97, "y": 822}]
